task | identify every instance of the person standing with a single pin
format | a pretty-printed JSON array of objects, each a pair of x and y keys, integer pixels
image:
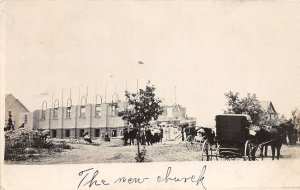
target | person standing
[
  {"x": 161, "y": 134},
  {"x": 148, "y": 135},
  {"x": 182, "y": 133},
  {"x": 131, "y": 136},
  {"x": 126, "y": 136},
  {"x": 10, "y": 125}
]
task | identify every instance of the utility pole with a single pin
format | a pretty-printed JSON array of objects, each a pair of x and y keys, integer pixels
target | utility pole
[
  {"x": 175, "y": 95},
  {"x": 62, "y": 113}
]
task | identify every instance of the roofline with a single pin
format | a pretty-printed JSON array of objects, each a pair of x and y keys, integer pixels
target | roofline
[
  {"x": 21, "y": 104},
  {"x": 273, "y": 106},
  {"x": 236, "y": 115}
]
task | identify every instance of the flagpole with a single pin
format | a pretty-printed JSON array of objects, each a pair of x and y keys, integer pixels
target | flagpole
[
  {"x": 105, "y": 92},
  {"x": 79, "y": 95},
  {"x": 62, "y": 112},
  {"x": 87, "y": 91},
  {"x": 175, "y": 95},
  {"x": 137, "y": 85}
]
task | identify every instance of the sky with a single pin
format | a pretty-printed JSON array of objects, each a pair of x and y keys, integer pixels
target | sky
[{"x": 203, "y": 48}]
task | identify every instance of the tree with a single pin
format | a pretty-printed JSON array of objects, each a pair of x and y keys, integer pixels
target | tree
[
  {"x": 296, "y": 117},
  {"x": 247, "y": 105},
  {"x": 143, "y": 107}
]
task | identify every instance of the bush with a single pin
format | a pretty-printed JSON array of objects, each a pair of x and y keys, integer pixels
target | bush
[
  {"x": 31, "y": 151},
  {"x": 38, "y": 143},
  {"x": 14, "y": 152},
  {"x": 65, "y": 146}
]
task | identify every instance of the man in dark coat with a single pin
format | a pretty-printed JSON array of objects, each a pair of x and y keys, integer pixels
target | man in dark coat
[
  {"x": 10, "y": 125},
  {"x": 126, "y": 136},
  {"x": 161, "y": 134},
  {"x": 132, "y": 136},
  {"x": 148, "y": 135}
]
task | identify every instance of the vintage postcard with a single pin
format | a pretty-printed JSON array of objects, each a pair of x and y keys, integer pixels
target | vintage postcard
[{"x": 150, "y": 94}]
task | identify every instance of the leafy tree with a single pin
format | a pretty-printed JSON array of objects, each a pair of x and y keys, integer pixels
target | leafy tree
[
  {"x": 296, "y": 117},
  {"x": 248, "y": 105},
  {"x": 143, "y": 107}
]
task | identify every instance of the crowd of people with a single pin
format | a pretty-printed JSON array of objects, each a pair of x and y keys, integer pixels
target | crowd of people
[
  {"x": 157, "y": 134},
  {"x": 148, "y": 135}
]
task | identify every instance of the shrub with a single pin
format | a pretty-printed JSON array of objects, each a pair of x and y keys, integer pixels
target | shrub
[
  {"x": 14, "y": 152},
  {"x": 17, "y": 150},
  {"x": 65, "y": 146},
  {"x": 38, "y": 143}
]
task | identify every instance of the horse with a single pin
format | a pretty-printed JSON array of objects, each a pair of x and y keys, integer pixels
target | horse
[
  {"x": 207, "y": 134},
  {"x": 271, "y": 136}
]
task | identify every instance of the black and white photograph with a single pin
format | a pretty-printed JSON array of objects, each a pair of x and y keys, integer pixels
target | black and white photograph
[{"x": 119, "y": 92}]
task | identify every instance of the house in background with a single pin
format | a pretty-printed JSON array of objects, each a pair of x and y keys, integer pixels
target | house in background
[
  {"x": 268, "y": 107},
  {"x": 175, "y": 114},
  {"x": 18, "y": 112}
]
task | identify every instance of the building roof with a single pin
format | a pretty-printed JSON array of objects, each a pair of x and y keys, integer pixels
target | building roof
[
  {"x": 237, "y": 115},
  {"x": 10, "y": 96},
  {"x": 266, "y": 105}
]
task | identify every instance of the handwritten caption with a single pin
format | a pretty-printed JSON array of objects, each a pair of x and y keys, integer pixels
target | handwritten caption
[{"x": 92, "y": 178}]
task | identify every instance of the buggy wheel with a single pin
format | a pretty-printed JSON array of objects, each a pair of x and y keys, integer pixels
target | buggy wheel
[
  {"x": 205, "y": 151},
  {"x": 247, "y": 151},
  {"x": 189, "y": 143},
  {"x": 255, "y": 152},
  {"x": 252, "y": 151}
]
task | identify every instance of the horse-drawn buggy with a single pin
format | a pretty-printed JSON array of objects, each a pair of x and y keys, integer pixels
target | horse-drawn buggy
[
  {"x": 196, "y": 136},
  {"x": 233, "y": 139}
]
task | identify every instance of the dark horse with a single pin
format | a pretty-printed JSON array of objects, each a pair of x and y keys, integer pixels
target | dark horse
[
  {"x": 271, "y": 136},
  {"x": 209, "y": 135}
]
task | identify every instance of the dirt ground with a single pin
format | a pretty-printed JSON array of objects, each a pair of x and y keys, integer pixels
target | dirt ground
[{"x": 115, "y": 152}]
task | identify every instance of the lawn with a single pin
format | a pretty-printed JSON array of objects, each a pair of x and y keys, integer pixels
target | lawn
[{"x": 115, "y": 152}]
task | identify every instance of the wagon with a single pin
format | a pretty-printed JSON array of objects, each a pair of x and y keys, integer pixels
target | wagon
[{"x": 232, "y": 139}]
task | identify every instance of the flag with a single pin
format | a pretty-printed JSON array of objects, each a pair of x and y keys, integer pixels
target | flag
[{"x": 140, "y": 62}]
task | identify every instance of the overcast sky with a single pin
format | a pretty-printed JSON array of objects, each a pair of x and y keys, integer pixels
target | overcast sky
[{"x": 203, "y": 48}]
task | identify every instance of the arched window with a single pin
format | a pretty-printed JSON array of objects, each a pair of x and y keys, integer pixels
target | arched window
[
  {"x": 113, "y": 110},
  {"x": 44, "y": 108},
  {"x": 69, "y": 108},
  {"x": 98, "y": 106},
  {"x": 82, "y": 107},
  {"x": 114, "y": 105},
  {"x": 115, "y": 98},
  {"x": 55, "y": 109}
]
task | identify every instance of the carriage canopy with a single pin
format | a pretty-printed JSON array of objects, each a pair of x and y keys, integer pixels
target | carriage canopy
[{"x": 232, "y": 127}]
